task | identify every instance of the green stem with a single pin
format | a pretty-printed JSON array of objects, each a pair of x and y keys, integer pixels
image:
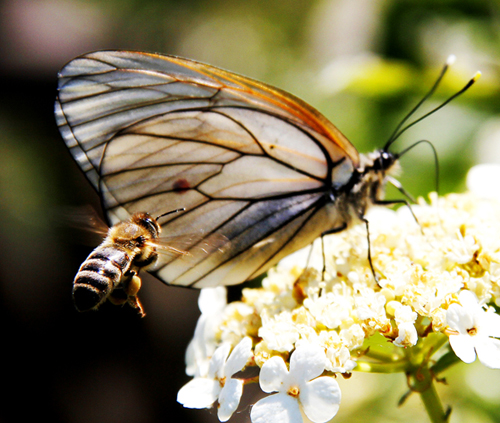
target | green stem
[
  {"x": 384, "y": 356},
  {"x": 433, "y": 405},
  {"x": 420, "y": 380},
  {"x": 370, "y": 367},
  {"x": 433, "y": 343}
]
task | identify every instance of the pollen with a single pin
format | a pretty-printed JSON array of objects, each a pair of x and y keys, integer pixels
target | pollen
[
  {"x": 472, "y": 331},
  {"x": 294, "y": 391}
]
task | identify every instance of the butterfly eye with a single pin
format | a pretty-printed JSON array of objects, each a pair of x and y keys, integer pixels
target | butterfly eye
[{"x": 384, "y": 161}]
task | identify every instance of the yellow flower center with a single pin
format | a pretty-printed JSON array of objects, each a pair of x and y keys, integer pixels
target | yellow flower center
[
  {"x": 472, "y": 331},
  {"x": 294, "y": 391}
]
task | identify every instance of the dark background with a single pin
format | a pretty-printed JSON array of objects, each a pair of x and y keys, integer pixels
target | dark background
[{"x": 362, "y": 63}]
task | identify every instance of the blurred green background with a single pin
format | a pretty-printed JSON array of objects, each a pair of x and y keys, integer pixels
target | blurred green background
[{"x": 362, "y": 63}]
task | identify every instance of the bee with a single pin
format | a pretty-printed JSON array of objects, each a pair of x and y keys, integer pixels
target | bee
[{"x": 111, "y": 271}]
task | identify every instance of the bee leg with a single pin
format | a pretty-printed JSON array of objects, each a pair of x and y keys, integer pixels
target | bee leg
[
  {"x": 118, "y": 296},
  {"x": 131, "y": 288},
  {"x": 134, "y": 302}
]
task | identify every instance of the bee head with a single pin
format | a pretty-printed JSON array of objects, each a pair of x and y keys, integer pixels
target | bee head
[{"x": 146, "y": 221}]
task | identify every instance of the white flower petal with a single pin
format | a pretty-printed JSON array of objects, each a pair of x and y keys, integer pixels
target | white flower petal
[
  {"x": 199, "y": 351},
  {"x": 281, "y": 335},
  {"x": 239, "y": 357},
  {"x": 320, "y": 399},
  {"x": 199, "y": 393},
  {"x": 277, "y": 408},
  {"x": 459, "y": 319},
  {"x": 489, "y": 324},
  {"x": 407, "y": 336},
  {"x": 229, "y": 398},
  {"x": 488, "y": 351},
  {"x": 307, "y": 362},
  {"x": 463, "y": 347},
  {"x": 469, "y": 301},
  {"x": 191, "y": 358},
  {"x": 272, "y": 374},
  {"x": 481, "y": 180},
  {"x": 218, "y": 361},
  {"x": 212, "y": 300}
]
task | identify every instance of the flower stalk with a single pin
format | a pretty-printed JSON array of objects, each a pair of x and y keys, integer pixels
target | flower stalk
[{"x": 421, "y": 380}]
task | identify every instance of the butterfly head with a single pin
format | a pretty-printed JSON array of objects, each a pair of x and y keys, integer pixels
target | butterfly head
[
  {"x": 367, "y": 184},
  {"x": 385, "y": 161},
  {"x": 378, "y": 164}
]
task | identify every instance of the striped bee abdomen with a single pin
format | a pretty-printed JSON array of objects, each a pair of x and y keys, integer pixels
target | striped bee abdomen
[{"x": 98, "y": 276}]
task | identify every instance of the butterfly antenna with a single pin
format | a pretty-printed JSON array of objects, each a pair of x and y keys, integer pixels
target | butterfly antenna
[
  {"x": 399, "y": 187},
  {"x": 465, "y": 88},
  {"x": 171, "y": 212},
  {"x": 436, "y": 161},
  {"x": 395, "y": 135}
]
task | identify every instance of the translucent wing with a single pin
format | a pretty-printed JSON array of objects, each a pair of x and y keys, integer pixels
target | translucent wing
[
  {"x": 84, "y": 218},
  {"x": 250, "y": 163},
  {"x": 191, "y": 246}
]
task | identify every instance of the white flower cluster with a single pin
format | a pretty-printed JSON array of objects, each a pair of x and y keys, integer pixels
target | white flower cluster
[{"x": 301, "y": 328}]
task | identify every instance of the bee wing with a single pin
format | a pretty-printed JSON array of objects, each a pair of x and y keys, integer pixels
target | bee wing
[
  {"x": 189, "y": 245},
  {"x": 249, "y": 162},
  {"x": 85, "y": 219}
]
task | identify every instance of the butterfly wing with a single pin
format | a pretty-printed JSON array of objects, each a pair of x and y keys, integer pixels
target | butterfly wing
[{"x": 250, "y": 163}]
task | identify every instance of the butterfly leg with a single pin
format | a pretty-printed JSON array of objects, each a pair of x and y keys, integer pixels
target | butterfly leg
[
  {"x": 370, "y": 250},
  {"x": 399, "y": 201},
  {"x": 298, "y": 290},
  {"x": 340, "y": 229},
  {"x": 382, "y": 203},
  {"x": 400, "y": 188},
  {"x": 309, "y": 255},
  {"x": 329, "y": 232}
]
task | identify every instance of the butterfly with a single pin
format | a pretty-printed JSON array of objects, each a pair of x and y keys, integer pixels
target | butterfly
[{"x": 248, "y": 162}]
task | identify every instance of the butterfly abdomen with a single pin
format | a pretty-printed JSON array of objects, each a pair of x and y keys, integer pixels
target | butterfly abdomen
[{"x": 98, "y": 276}]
